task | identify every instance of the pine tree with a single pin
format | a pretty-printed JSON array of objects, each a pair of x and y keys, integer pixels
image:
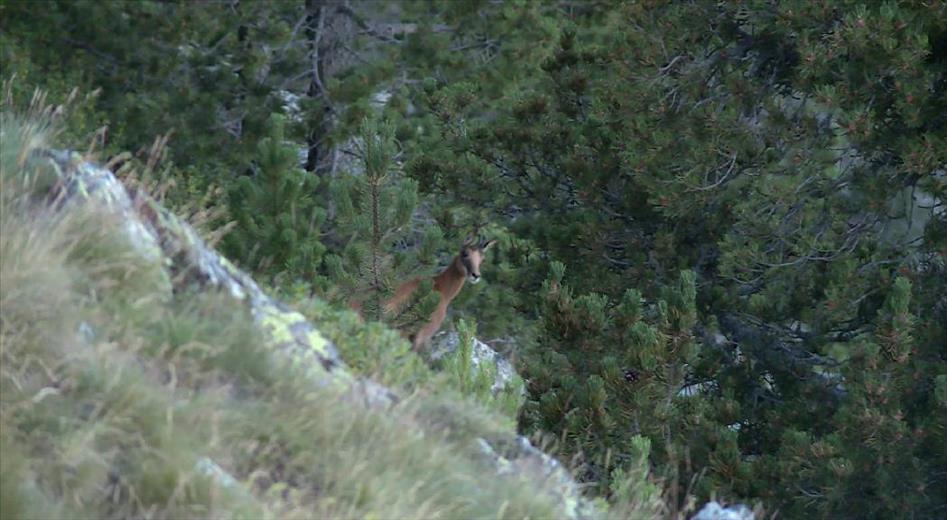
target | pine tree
[
  {"x": 373, "y": 217},
  {"x": 605, "y": 372},
  {"x": 778, "y": 152},
  {"x": 279, "y": 223},
  {"x": 211, "y": 75}
]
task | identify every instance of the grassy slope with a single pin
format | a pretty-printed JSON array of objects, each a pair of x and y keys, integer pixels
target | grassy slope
[{"x": 112, "y": 392}]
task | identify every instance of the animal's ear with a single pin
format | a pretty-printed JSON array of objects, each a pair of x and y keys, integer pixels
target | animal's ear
[{"x": 487, "y": 245}]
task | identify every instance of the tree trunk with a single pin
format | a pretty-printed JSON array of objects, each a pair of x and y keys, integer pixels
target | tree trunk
[{"x": 327, "y": 31}]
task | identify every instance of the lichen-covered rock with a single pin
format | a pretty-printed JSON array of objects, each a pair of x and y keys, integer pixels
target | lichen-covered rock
[
  {"x": 714, "y": 511},
  {"x": 482, "y": 354},
  {"x": 82, "y": 184},
  {"x": 187, "y": 262}
]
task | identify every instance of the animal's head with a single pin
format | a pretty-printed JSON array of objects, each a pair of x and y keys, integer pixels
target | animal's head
[{"x": 471, "y": 256}]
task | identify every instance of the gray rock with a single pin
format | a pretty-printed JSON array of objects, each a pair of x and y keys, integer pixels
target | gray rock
[
  {"x": 714, "y": 511},
  {"x": 521, "y": 457},
  {"x": 447, "y": 342}
]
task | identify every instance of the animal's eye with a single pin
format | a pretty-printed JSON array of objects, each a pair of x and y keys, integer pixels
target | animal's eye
[{"x": 465, "y": 253}]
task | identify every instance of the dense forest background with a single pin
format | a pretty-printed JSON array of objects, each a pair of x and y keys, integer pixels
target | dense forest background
[{"x": 721, "y": 226}]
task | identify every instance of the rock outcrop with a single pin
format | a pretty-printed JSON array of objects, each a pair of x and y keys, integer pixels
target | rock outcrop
[{"x": 481, "y": 356}]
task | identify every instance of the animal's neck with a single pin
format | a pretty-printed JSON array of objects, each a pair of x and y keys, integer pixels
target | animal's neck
[{"x": 451, "y": 280}]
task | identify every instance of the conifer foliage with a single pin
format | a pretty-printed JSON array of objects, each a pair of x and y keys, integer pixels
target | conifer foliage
[
  {"x": 278, "y": 220},
  {"x": 791, "y": 157}
]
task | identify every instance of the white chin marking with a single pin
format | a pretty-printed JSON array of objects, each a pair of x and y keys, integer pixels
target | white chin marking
[{"x": 474, "y": 280}]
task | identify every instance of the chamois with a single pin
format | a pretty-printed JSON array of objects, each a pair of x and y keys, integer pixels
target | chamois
[{"x": 464, "y": 266}]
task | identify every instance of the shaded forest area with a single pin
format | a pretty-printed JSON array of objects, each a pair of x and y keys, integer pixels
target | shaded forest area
[{"x": 720, "y": 226}]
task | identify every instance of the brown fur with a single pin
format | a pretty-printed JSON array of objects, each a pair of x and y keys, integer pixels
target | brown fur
[{"x": 448, "y": 283}]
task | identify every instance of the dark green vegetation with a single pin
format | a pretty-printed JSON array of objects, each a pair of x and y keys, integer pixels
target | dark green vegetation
[{"x": 722, "y": 227}]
